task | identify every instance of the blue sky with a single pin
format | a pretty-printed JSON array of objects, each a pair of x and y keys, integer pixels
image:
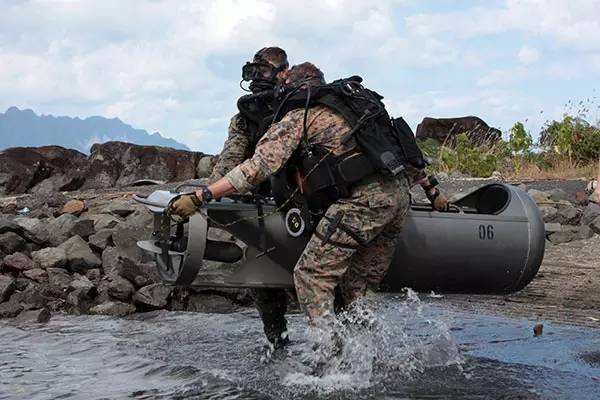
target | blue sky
[{"x": 174, "y": 66}]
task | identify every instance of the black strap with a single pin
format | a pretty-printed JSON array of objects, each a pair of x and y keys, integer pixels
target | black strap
[{"x": 335, "y": 224}]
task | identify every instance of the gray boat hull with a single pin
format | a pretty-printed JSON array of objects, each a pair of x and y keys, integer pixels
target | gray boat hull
[{"x": 491, "y": 242}]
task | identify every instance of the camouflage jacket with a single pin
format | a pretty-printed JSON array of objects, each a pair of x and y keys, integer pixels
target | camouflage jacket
[
  {"x": 235, "y": 150},
  {"x": 324, "y": 127}
]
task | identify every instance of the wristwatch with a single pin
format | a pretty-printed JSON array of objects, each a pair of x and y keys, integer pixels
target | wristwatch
[{"x": 206, "y": 194}]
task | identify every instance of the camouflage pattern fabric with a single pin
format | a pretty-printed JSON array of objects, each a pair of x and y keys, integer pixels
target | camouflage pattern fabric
[
  {"x": 235, "y": 150},
  {"x": 324, "y": 127},
  {"x": 355, "y": 241},
  {"x": 357, "y": 252}
]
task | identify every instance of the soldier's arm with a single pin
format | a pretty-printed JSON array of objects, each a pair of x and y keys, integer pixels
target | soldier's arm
[
  {"x": 272, "y": 152},
  {"x": 235, "y": 149}
]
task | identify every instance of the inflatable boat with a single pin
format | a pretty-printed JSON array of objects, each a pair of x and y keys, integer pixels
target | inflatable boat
[{"x": 491, "y": 241}]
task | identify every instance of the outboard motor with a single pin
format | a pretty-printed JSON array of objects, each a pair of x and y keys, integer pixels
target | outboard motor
[{"x": 491, "y": 241}]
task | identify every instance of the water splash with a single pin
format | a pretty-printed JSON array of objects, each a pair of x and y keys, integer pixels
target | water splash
[{"x": 370, "y": 341}]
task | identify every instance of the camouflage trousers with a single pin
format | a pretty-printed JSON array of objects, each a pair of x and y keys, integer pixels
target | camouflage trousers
[{"x": 353, "y": 245}]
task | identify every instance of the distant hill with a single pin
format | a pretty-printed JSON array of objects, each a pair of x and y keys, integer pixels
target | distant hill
[{"x": 24, "y": 128}]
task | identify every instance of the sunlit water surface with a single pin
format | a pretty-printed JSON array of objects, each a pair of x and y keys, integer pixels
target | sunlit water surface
[{"x": 403, "y": 348}]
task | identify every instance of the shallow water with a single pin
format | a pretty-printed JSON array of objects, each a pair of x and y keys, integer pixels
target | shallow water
[{"x": 414, "y": 351}]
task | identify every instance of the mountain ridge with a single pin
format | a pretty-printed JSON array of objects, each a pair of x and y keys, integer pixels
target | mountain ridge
[{"x": 25, "y": 128}]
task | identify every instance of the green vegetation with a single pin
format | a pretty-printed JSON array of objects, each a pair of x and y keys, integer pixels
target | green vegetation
[{"x": 567, "y": 148}]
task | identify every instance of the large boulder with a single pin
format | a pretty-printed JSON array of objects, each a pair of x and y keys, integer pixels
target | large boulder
[
  {"x": 34, "y": 316},
  {"x": 444, "y": 129},
  {"x": 41, "y": 170},
  {"x": 121, "y": 164}
]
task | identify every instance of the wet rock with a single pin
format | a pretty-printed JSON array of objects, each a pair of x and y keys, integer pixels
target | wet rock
[
  {"x": 80, "y": 256},
  {"x": 10, "y": 309},
  {"x": 101, "y": 240},
  {"x": 561, "y": 237},
  {"x": 114, "y": 308},
  {"x": 211, "y": 303},
  {"x": 155, "y": 295},
  {"x": 17, "y": 262},
  {"x": 120, "y": 288},
  {"x": 595, "y": 225},
  {"x": 7, "y": 287},
  {"x": 37, "y": 274},
  {"x": 583, "y": 232},
  {"x": 538, "y": 330},
  {"x": 538, "y": 196},
  {"x": 591, "y": 212},
  {"x": 140, "y": 274},
  {"x": 84, "y": 228},
  {"x": 34, "y": 230},
  {"x": 81, "y": 300},
  {"x": 10, "y": 243},
  {"x": 74, "y": 207},
  {"x": 34, "y": 316},
  {"x": 59, "y": 278},
  {"x": 50, "y": 257}
]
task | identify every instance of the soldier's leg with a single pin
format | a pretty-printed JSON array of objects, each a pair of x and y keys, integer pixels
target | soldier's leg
[
  {"x": 347, "y": 225},
  {"x": 271, "y": 304},
  {"x": 371, "y": 262},
  {"x": 319, "y": 270}
]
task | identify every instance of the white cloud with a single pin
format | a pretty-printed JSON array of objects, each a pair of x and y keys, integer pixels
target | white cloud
[
  {"x": 528, "y": 55},
  {"x": 573, "y": 23},
  {"x": 174, "y": 66}
]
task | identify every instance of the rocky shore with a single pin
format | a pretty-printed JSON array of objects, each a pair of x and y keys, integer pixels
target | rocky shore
[{"x": 76, "y": 252}]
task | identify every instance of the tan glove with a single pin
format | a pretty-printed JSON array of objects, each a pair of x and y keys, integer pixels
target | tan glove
[
  {"x": 185, "y": 206},
  {"x": 438, "y": 200}
]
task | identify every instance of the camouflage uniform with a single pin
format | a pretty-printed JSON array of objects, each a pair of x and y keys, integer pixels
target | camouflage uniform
[
  {"x": 271, "y": 303},
  {"x": 235, "y": 150},
  {"x": 358, "y": 252}
]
